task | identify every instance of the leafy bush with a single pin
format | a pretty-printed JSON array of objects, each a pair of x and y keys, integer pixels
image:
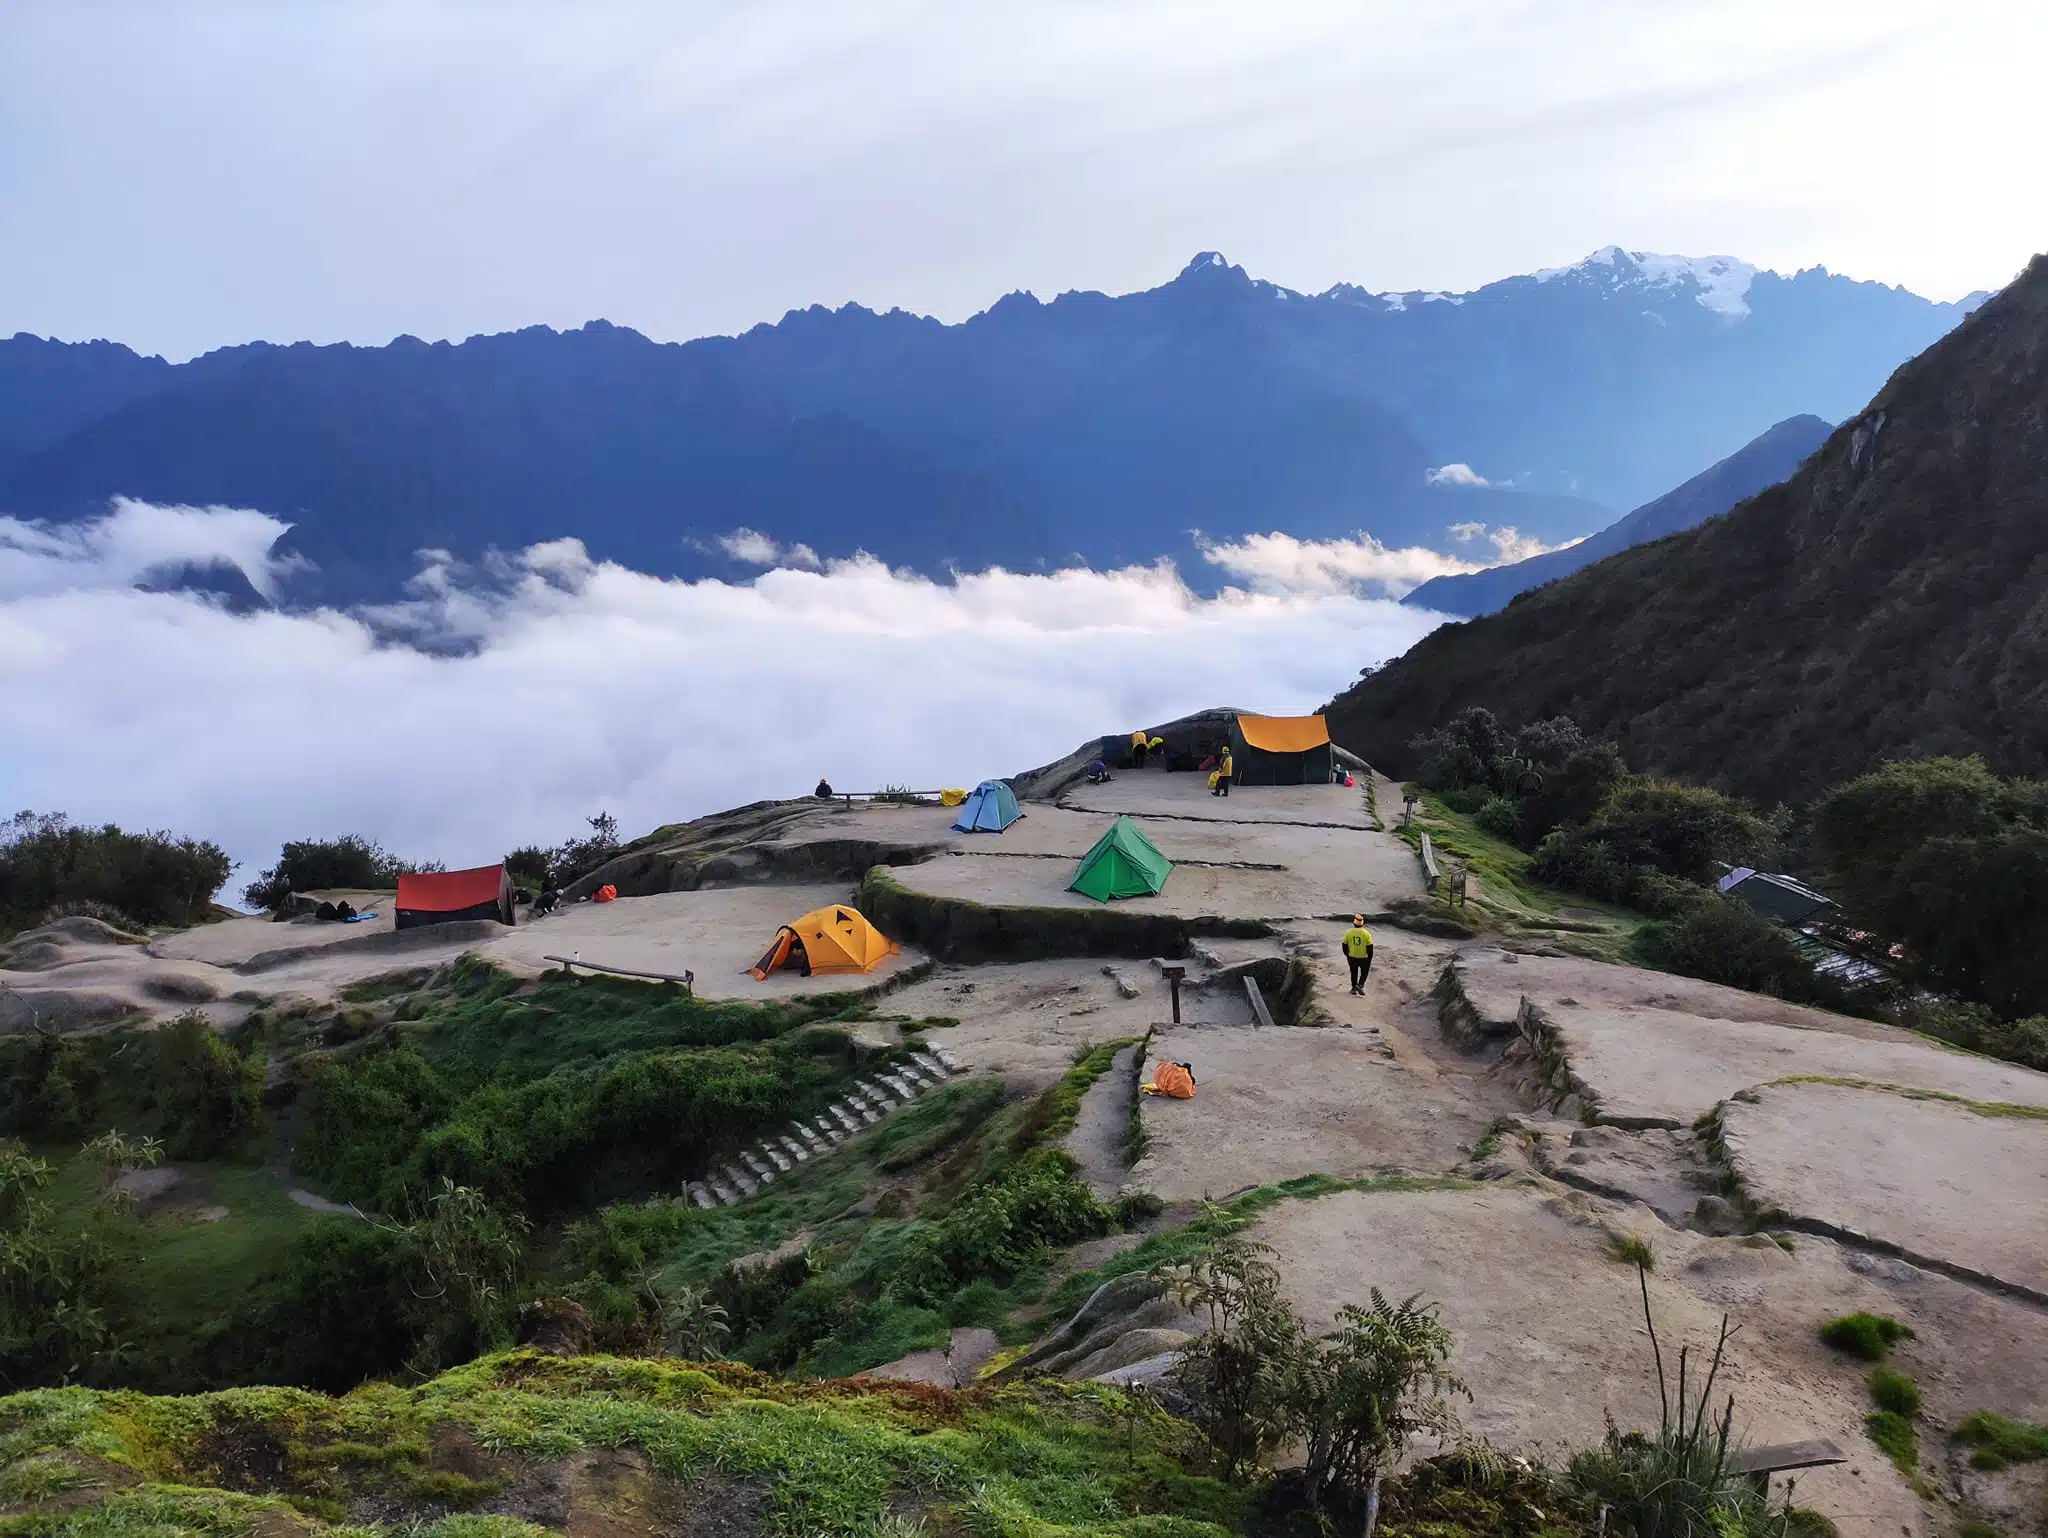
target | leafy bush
[
  {"x": 1973, "y": 1026},
  {"x": 1894, "y": 1391},
  {"x": 1035, "y": 1203},
  {"x": 340, "y": 1308},
  {"x": 208, "y": 1096},
  {"x": 530, "y": 864},
  {"x": 2000, "y": 1442},
  {"x": 1725, "y": 941},
  {"x": 1868, "y": 1336},
  {"x": 1572, "y": 790},
  {"x": 319, "y": 864},
  {"x": 1950, "y": 861},
  {"x": 1499, "y": 816},
  {"x": 152, "y": 878},
  {"x": 51, "y": 1086},
  {"x": 1682, "y": 830}
]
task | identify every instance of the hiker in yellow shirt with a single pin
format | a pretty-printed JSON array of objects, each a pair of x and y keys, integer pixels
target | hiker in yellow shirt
[{"x": 1358, "y": 951}]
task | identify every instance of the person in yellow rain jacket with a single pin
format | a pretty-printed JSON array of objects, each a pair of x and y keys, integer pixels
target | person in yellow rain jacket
[
  {"x": 1358, "y": 951},
  {"x": 1139, "y": 742},
  {"x": 1219, "y": 782}
]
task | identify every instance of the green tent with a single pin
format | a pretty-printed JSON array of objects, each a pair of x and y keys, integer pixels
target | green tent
[{"x": 1123, "y": 863}]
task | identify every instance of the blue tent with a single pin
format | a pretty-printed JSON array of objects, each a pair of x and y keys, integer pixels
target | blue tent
[{"x": 992, "y": 808}]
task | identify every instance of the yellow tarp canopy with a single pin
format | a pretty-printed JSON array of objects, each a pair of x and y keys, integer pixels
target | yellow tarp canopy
[{"x": 1284, "y": 734}]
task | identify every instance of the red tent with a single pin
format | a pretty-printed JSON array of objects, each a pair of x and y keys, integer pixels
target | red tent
[{"x": 440, "y": 897}]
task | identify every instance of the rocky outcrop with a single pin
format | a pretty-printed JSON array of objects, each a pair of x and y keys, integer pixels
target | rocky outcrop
[{"x": 959, "y": 930}]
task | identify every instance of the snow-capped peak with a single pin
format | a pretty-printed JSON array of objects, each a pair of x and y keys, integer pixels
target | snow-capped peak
[{"x": 1721, "y": 282}]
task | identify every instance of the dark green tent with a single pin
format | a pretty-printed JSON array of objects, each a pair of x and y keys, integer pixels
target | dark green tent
[{"x": 1123, "y": 863}]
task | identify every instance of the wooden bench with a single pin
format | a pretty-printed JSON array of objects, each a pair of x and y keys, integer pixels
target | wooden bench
[
  {"x": 569, "y": 964},
  {"x": 1259, "y": 1011},
  {"x": 1429, "y": 867},
  {"x": 1760, "y": 1463}
]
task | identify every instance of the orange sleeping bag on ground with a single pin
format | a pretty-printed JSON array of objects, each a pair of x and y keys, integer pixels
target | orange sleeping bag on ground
[
  {"x": 1176, "y": 1080},
  {"x": 605, "y": 894}
]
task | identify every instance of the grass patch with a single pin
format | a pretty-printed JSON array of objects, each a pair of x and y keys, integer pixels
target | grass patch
[
  {"x": 2000, "y": 1443},
  {"x": 832, "y": 1458},
  {"x": 1631, "y": 1249},
  {"x": 1506, "y": 895},
  {"x": 1868, "y": 1336},
  {"x": 1223, "y": 1218},
  {"x": 1894, "y": 1391},
  {"x": 1895, "y": 1437}
]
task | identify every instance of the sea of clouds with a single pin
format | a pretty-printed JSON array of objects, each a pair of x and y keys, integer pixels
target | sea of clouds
[{"x": 500, "y": 705}]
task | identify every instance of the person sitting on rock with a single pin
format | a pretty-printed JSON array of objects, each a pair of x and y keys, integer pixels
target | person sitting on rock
[{"x": 824, "y": 790}]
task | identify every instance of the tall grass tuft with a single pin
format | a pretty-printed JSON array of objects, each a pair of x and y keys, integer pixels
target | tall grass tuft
[{"x": 1679, "y": 1482}]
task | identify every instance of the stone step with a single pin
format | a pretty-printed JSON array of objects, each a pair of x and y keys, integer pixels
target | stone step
[
  {"x": 795, "y": 1150},
  {"x": 830, "y": 1130},
  {"x": 761, "y": 1171},
  {"x": 739, "y": 1180},
  {"x": 777, "y": 1157},
  {"x": 804, "y": 1131},
  {"x": 701, "y": 1196},
  {"x": 911, "y": 1071},
  {"x": 844, "y": 1115},
  {"x": 930, "y": 1064},
  {"x": 909, "y": 1088},
  {"x": 946, "y": 1059},
  {"x": 880, "y": 1095},
  {"x": 725, "y": 1193}
]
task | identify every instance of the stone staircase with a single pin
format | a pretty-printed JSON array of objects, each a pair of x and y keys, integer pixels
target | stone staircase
[{"x": 865, "y": 1104}]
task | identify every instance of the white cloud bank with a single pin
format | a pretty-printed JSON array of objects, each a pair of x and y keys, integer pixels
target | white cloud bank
[
  {"x": 585, "y": 685},
  {"x": 1459, "y": 475},
  {"x": 1361, "y": 565}
]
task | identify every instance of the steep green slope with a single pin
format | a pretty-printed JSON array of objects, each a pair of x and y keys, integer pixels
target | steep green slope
[{"x": 1890, "y": 600}]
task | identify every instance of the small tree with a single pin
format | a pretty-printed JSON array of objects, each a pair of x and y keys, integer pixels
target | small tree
[
  {"x": 1357, "y": 1396},
  {"x": 1235, "y": 1372},
  {"x": 470, "y": 1257}
]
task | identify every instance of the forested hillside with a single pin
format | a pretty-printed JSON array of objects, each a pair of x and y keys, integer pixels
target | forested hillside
[{"x": 1890, "y": 600}]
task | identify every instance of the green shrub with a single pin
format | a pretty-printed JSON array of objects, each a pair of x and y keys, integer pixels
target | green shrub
[
  {"x": 1976, "y": 1028},
  {"x": 1868, "y": 1336},
  {"x": 320, "y": 864},
  {"x": 1894, "y": 1391},
  {"x": 2000, "y": 1442},
  {"x": 209, "y": 1096},
  {"x": 1895, "y": 1437},
  {"x": 1499, "y": 815},
  {"x": 1726, "y": 941},
  {"x": 47, "y": 864},
  {"x": 1036, "y": 1203},
  {"x": 1654, "y": 825}
]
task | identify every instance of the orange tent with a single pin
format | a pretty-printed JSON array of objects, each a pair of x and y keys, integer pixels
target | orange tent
[{"x": 834, "y": 939}]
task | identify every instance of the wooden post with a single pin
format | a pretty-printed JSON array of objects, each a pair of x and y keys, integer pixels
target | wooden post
[{"x": 1174, "y": 972}]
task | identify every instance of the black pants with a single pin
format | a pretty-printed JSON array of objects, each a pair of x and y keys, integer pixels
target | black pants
[
  {"x": 1223, "y": 786},
  {"x": 1361, "y": 968},
  {"x": 1137, "y": 755}
]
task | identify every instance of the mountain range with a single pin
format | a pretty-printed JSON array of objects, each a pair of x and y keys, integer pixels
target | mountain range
[
  {"x": 1890, "y": 600},
  {"x": 1764, "y": 461},
  {"x": 1090, "y": 428}
]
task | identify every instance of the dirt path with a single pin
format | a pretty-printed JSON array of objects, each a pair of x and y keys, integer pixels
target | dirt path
[{"x": 1103, "y": 1126}]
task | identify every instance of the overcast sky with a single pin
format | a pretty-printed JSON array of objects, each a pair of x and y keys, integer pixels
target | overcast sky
[{"x": 179, "y": 176}]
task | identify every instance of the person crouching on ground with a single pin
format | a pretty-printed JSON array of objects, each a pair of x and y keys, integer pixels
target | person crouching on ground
[
  {"x": 1098, "y": 773},
  {"x": 1358, "y": 951},
  {"x": 1224, "y": 770}
]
